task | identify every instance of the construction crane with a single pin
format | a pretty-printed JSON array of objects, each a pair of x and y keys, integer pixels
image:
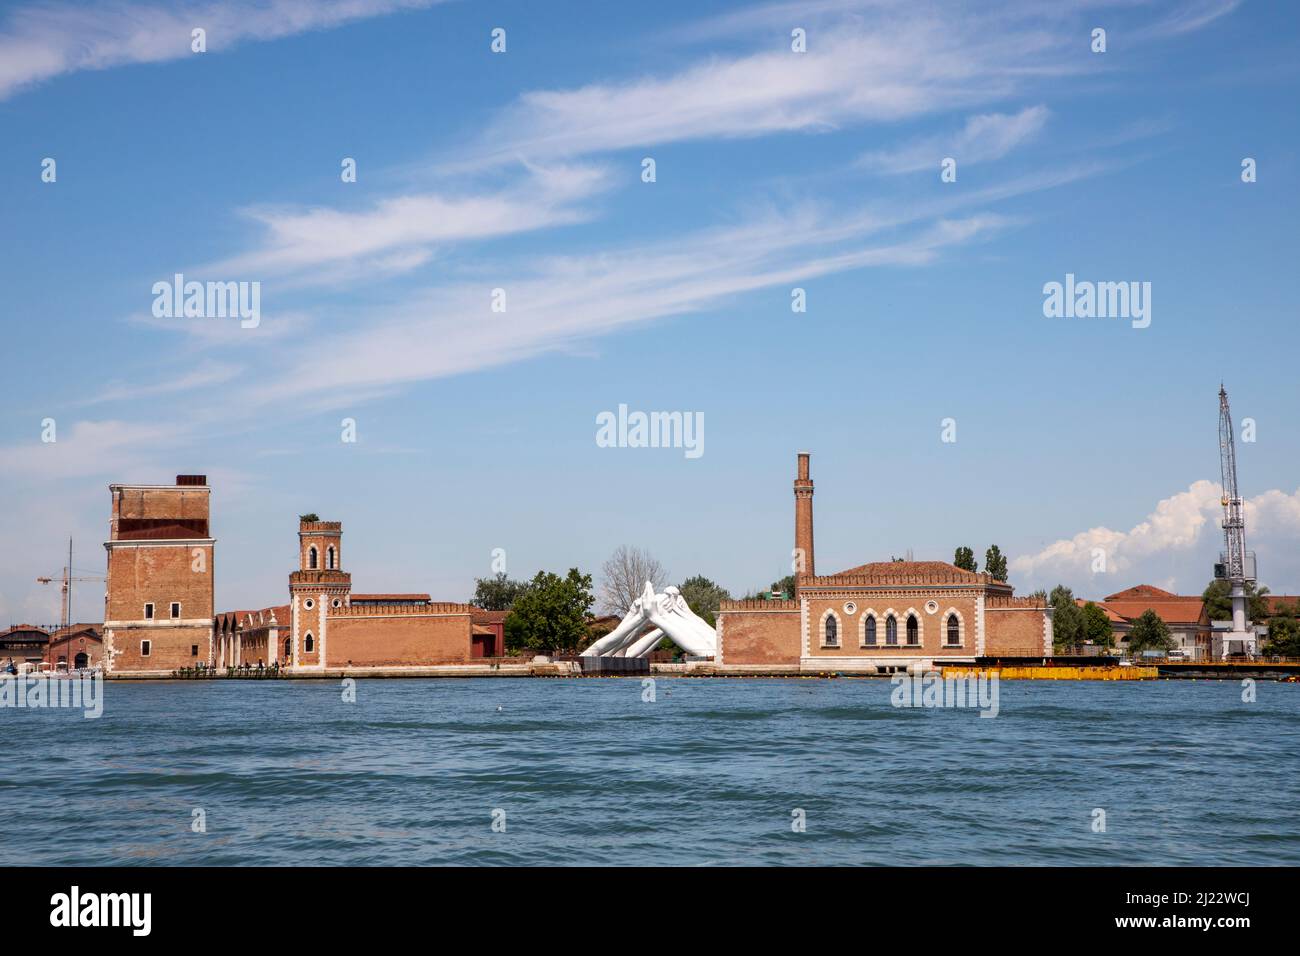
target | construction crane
[
  {"x": 67, "y": 580},
  {"x": 1236, "y": 564}
]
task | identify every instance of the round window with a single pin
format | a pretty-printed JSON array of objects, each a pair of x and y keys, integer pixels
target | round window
[
  {"x": 309, "y": 604},
  {"x": 850, "y": 607},
  {"x": 931, "y": 607},
  {"x": 338, "y": 603}
]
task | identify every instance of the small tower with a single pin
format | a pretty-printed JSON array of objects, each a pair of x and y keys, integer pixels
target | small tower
[
  {"x": 319, "y": 586},
  {"x": 803, "y": 519}
]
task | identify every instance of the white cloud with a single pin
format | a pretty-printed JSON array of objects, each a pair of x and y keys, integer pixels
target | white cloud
[
  {"x": 1183, "y": 529},
  {"x": 985, "y": 137},
  {"x": 398, "y": 233},
  {"x": 44, "y": 40}
]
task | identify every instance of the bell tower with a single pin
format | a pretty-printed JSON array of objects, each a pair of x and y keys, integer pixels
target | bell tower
[
  {"x": 803, "y": 519},
  {"x": 317, "y": 588}
]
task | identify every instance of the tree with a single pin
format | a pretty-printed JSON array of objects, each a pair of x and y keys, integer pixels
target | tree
[
  {"x": 785, "y": 585},
  {"x": 624, "y": 575},
  {"x": 1283, "y": 637},
  {"x": 1218, "y": 601},
  {"x": 552, "y": 614},
  {"x": 995, "y": 563},
  {"x": 1149, "y": 633},
  {"x": 964, "y": 558},
  {"x": 498, "y": 593},
  {"x": 309, "y": 516},
  {"x": 703, "y": 596},
  {"x": 1096, "y": 626},
  {"x": 1067, "y": 617}
]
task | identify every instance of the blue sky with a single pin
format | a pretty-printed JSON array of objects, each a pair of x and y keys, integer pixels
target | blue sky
[{"x": 522, "y": 171}]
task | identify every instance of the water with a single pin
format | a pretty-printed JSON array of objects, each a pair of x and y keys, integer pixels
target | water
[{"x": 287, "y": 773}]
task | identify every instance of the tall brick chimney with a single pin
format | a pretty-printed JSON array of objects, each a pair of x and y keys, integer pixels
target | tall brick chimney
[{"x": 803, "y": 516}]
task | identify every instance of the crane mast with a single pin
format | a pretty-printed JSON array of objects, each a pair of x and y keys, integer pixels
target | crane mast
[{"x": 1236, "y": 565}]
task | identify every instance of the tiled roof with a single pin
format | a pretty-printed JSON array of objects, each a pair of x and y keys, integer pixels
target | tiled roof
[
  {"x": 1275, "y": 601},
  {"x": 1110, "y": 615},
  {"x": 878, "y": 568},
  {"x": 488, "y": 617},
  {"x": 1172, "y": 610},
  {"x": 1142, "y": 592}
]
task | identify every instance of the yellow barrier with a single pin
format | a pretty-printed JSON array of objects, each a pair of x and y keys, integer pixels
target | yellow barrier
[{"x": 1055, "y": 673}]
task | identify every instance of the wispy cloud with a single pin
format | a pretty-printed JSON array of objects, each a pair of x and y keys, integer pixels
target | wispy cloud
[
  {"x": 40, "y": 41},
  {"x": 985, "y": 137},
  {"x": 205, "y": 376},
  {"x": 86, "y": 448},
  {"x": 904, "y": 61},
  {"x": 560, "y": 300}
]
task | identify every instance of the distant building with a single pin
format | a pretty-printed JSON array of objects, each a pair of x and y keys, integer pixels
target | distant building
[
  {"x": 1185, "y": 615},
  {"x": 24, "y": 643},
  {"x": 326, "y": 625},
  {"x": 884, "y": 615},
  {"x": 75, "y": 646}
]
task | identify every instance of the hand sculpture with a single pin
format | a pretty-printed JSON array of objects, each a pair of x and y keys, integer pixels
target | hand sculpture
[{"x": 652, "y": 617}]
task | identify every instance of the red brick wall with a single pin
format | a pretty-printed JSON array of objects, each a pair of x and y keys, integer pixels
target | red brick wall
[
  {"x": 396, "y": 640},
  {"x": 760, "y": 637},
  {"x": 155, "y": 574},
  {"x": 1013, "y": 632},
  {"x": 169, "y": 647}
]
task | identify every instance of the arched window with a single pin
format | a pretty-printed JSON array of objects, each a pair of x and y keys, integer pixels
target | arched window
[
  {"x": 287, "y": 649},
  {"x": 308, "y": 643},
  {"x": 311, "y": 558},
  {"x": 832, "y": 631},
  {"x": 869, "y": 633},
  {"x": 954, "y": 630},
  {"x": 891, "y": 631},
  {"x": 329, "y": 557},
  {"x": 913, "y": 633}
]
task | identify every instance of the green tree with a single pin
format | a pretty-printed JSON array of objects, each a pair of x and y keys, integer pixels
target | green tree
[
  {"x": 964, "y": 558},
  {"x": 703, "y": 596},
  {"x": 1218, "y": 601},
  {"x": 498, "y": 593},
  {"x": 786, "y": 584},
  {"x": 995, "y": 563},
  {"x": 1067, "y": 617},
  {"x": 1283, "y": 637},
  {"x": 552, "y": 614},
  {"x": 309, "y": 516},
  {"x": 1096, "y": 626},
  {"x": 1149, "y": 633}
]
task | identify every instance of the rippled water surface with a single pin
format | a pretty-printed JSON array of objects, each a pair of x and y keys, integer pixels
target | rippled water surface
[{"x": 288, "y": 773}]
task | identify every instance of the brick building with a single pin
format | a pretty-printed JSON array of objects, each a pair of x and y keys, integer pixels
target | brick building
[
  {"x": 326, "y": 626},
  {"x": 158, "y": 605},
  {"x": 882, "y": 615}
]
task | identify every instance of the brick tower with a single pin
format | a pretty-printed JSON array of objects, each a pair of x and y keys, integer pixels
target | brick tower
[
  {"x": 158, "y": 601},
  {"x": 803, "y": 518},
  {"x": 318, "y": 586}
]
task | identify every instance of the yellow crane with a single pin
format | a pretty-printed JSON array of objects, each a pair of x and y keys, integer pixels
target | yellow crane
[{"x": 67, "y": 579}]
